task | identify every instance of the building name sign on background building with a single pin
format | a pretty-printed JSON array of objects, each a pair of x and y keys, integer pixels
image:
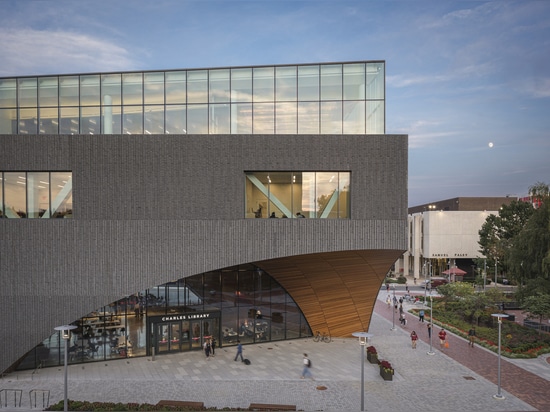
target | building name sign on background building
[{"x": 445, "y": 255}]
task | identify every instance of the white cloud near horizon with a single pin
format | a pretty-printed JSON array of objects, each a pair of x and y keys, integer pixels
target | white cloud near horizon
[{"x": 29, "y": 52}]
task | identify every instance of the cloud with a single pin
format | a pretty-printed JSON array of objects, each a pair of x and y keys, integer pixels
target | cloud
[{"x": 29, "y": 52}]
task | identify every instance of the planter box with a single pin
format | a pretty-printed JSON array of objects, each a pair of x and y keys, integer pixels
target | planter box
[
  {"x": 372, "y": 358},
  {"x": 387, "y": 376}
]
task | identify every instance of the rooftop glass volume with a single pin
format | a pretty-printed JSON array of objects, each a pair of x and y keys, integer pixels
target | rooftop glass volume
[{"x": 332, "y": 98}]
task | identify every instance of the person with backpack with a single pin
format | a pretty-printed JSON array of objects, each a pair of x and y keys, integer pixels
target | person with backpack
[{"x": 307, "y": 368}]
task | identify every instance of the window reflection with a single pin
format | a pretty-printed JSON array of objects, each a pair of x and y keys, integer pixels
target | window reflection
[
  {"x": 310, "y": 99},
  {"x": 89, "y": 90}
]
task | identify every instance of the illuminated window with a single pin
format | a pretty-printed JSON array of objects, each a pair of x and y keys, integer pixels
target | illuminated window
[
  {"x": 36, "y": 195},
  {"x": 322, "y": 195}
]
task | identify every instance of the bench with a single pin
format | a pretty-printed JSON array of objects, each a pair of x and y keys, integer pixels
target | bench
[
  {"x": 187, "y": 404},
  {"x": 270, "y": 407}
]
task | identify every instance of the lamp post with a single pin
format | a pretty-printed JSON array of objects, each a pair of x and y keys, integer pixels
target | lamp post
[
  {"x": 499, "y": 316},
  {"x": 484, "y": 273},
  {"x": 66, "y": 334},
  {"x": 496, "y": 262},
  {"x": 394, "y": 303},
  {"x": 431, "y": 351},
  {"x": 363, "y": 336},
  {"x": 425, "y": 283}
]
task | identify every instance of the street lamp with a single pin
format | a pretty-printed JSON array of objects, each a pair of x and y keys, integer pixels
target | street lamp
[
  {"x": 425, "y": 283},
  {"x": 431, "y": 351},
  {"x": 499, "y": 316},
  {"x": 394, "y": 303},
  {"x": 484, "y": 273},
  {"x": 363, "y": 337},
  {"x": 66, "y": 334}
]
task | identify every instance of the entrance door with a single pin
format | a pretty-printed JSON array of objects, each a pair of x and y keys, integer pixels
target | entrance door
[
  {"x": 196, "y": 335},
  {"x": 184, "y": 335}
]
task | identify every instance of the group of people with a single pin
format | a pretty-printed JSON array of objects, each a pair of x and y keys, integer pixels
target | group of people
[
  {"x": 209, "y": 348},
  {"x": 274, "y": 216}
]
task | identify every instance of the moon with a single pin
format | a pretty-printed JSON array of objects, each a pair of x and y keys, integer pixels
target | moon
[{"x": 490, "y": 144}]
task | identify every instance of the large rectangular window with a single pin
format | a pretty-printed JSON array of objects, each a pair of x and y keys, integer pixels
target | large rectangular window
[
  {"x": 323, "y": 195},
  {"x": 36, "y": 195}
]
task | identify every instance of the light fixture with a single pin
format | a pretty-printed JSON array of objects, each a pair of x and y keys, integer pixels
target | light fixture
[
  {"x": 363, "y": 338},
  {"x": 499, "y": 316},
  {"x": 66, "y": 335}
]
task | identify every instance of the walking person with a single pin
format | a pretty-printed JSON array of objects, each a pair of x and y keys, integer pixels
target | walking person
[
  {"x": 421, "y": 315},
  {"x": 307, "y": 366},
  {"x": 429, "y": 330},
  {"x": 213, "y": 346},
  {"x": 403, "y": 319},
  {"x": 471, "y": 336},
  {"x": 207, "y": 349},
  {"x": 239, "y": 351},
  {"x": 414, "y": 338},
  {"x": 442, "y": 338}
]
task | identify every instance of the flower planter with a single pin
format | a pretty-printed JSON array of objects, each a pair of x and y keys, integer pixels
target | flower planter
[
  {"x": 372, "y": 357},
  {"x": 387, "y": 376}
]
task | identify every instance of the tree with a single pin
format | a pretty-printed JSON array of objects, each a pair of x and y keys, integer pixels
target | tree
[
  {"x": 537, "y": 305},
  {"x": 539, "y": 192},
  {"x": 498, "y": 231},
  {"x": 529, "y": 256}
]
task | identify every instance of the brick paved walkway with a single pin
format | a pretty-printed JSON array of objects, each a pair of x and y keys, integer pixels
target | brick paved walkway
[{"x": 523, "y": 384}]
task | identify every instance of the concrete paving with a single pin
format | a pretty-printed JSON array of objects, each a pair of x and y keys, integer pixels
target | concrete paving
[{"x": 421, "y": 382}]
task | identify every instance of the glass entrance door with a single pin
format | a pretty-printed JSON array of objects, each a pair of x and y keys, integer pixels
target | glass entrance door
[{"x": 183, "y": 335}]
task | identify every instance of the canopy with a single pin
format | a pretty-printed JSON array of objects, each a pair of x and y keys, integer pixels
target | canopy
[{"x": 454, "y": 271}]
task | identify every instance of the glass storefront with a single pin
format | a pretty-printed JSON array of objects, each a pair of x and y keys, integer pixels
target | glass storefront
[
  {"x": 237, "y": 303},
  {"x": 343, "y": 98}
]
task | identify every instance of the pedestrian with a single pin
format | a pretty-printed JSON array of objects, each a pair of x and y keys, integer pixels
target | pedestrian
[
  {"x": 239, "y": 351},
  {"x": 471, "y": 336},
  {"x": 400, "y": 309},
  {"x": 207, "y": 349},
  {"x": 442, "y": 337},
  {"x": 213, "y": 346},
  {"x": 407, "y": 288},
  {"x": 429, "y": 330},
  {"x": 402, "y": 319},
  {"x": 307, "y": 368},
  {"x": 414, "y": 338},
  {"x": 421, "y": 315},
  {"x": 387, "y": 287},
  {"x": 388, "y": 301}
]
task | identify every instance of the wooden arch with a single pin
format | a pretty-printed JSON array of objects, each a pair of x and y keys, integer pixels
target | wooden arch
[{"x": 335, "y": 291}]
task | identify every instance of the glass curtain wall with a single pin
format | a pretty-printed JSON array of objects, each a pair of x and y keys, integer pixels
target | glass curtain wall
[
  {"x": 323, "y": 195},
  {"x": 237, "y": 303},
  {"x": 343, "y": 98}
]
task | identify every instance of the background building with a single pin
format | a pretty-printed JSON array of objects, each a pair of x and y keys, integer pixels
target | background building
[
  {"x": 141, "y": 200},
  {"x": 445, "y": 234}
]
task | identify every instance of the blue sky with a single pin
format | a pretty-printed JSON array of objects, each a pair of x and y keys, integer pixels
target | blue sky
[{"x": 459, "y": 74}]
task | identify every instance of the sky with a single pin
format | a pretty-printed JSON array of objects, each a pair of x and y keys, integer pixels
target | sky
[{"x": 467, "y": 81}]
